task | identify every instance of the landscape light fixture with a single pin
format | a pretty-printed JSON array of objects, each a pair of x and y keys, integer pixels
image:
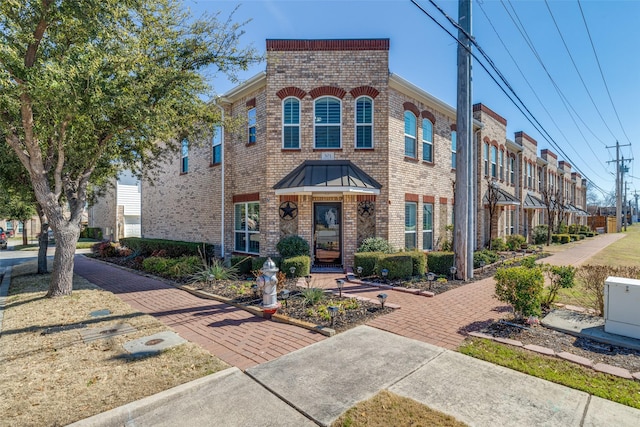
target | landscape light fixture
[
  {"x": 308, "y": 280},
  {"x": 359, "y": 270},
  {"x": 254, "y": 287},
  {"x": 333, "y": 310},
  {"x": 284, "y": 294},
  {"x": 430, "y": 278},
  {"x": 292, "y": 270},
  {"x": 211, "y": 279},
  {"x": 482, "y": 263},
  {"x": 453, "y": 270},
  {"x": 340, "y": 283},
  {"x": 382, "y": 298},
  {"x": 384, "y": 273}
]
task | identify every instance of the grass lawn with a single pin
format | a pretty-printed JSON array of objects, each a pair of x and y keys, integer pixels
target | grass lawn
[{"x": 610, "y": 387}]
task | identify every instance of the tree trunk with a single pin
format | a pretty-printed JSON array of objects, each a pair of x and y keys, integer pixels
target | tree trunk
[
  {"x": 25, "y": 240},
  {"x": 66, "y": 236},
  {"x": 43, "y": 241}
]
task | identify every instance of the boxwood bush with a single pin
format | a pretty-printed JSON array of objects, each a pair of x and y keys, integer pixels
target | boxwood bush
[
  {"x": 258, "y": 262},
  {"x": 366, "y": 260},
  {"x": 439, "y": 262},
  {"x": 400, "y": 266},
  {"x": 419, "y": 262},
  {"x": 376, "y": 244},
  {"x": 302, "y": 264},
  {"x": 515, "y": 242},
  {"x": 292, "y": 246},
  {"x": 172, "y": 248},
  {"x": 521, "y": 287}
]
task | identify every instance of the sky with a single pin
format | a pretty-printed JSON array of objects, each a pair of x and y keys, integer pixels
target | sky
[{"x": 582, "y": 102}]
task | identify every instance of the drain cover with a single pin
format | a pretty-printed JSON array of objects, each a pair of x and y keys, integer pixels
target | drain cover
[
  {"x": 153, "y": 344},
  {"x": 154, "y": 341}
]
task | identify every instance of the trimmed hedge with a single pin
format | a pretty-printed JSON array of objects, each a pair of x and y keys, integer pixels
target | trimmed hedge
[
  {"x": 172, "y": 267},
  {"x": 173, "y": 248},
  {"x": 419, "y": 262},
  {"x": 400, "y": 266},
  {"x": 439, "y": 262},
  {"x": 366, "y": 260},
  {"x": 258, "y": 262},
  {"x": 243, "y": 263},
  {"x": 91, "y": 233},
  {"x": 302, "y": 264},
  {"x": 560, "y": 238}
]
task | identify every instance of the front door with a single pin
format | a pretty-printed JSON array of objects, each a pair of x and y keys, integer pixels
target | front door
[{"x": 327, "y": 218}]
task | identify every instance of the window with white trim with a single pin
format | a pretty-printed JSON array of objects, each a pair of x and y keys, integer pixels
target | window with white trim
[
  {"x": 327, "y": 123},
  {"x": 247, "y": 227},
  {"x": 216, "y": 145},
  {"x": 427, "y": 140},
  {"x": 364, "y": 122},
  {"x": 184, "y": 156},
  {"x": 529, "y": 177},
  {"x": 512, "y": 171},
  {"x": 501, "y": 164},
  {"x": 454, "y": 148},
  {"x": 410, "y": 149},
  {"x": 427, "y": 226},
  {"x": 291, "y": 123},
  {"x": 410, "y": 224},
  {"x": 251, "y": 125},
  {"x": 486, "y": 159},
  {"x": 494, "y": 160}
]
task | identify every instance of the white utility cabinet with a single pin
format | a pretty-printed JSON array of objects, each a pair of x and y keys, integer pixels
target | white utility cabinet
[{"x": 622, "y": 306}]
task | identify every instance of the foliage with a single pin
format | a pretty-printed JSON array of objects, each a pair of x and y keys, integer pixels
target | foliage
[
  {"x": 539, "y": 234},
  {"x": 399, "y": 266},
  {"x": 302, "y": 264},
  {"x": 91, "y": 233},
  {"x": 529, "y": 261},
  {"x": 498, "y": 244},
  {"x": 439, "y": 262},
  {"x": 258, "y": 262},
  {"x": 560, "y": 238},
  {"x": 292, "y": 246},
  {"x": 366, "y": 260},
  {"x": 216, "y": 271},
  {"x": 312, "y": 296},
  {"x": 446, "y": 245},
  {"x": 560, "y": 277},
  {"x": 242, "y": 263},
  {"x": 419, "y": 262},
  {"x": 515, "y": 241},
  {"x": 484, "y": 256},
  {"x": 592, "y": 278},
  {"x": 558, "y": 371},
  {"x": 520, "y": 287},
  {"x": 376, "y": 244},
  {"x": 105, "y": 249},
  {"x": 172, "y": 248}
]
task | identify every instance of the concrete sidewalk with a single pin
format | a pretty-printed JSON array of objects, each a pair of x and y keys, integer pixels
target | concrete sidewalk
[{"x": 323, "y": 380}]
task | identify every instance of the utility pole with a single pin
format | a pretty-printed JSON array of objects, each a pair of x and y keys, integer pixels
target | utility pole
[
  {"x": 636, "y": 196},
  {"x": 626, "y": 204},
  {"x": 463, "y": 208},
  {"x": 619, "y": 178}
]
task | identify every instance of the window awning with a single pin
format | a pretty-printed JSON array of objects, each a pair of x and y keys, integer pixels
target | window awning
[
  {"x": 504, "y": 198},
  {"x": 576, "y": 210},
  {"x": 327, "y": 176},
  {"x": 532, "y": 202}
]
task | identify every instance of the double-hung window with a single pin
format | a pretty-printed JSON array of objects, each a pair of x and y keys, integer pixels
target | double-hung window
[
  {"x": 454, "y": 148},
  {"x": 501, "y": 164},
  {"x": 247, "y": 227},
  {"x": 327, "y": 122},
  {"x": 364, "y": 122},
  {"x": 216, "y": 146},
  {"x": 486, "y": 159},
  {"x": 291, "y": 123},
  {"x": 427, "y": 140},
  {"x": 410, "y": 149},
  {"x": 427, "y": 226},
  {"x": 410, "y": 222},
  {"x": 494, "y": 166},
  {"x": 184, "y": 156},
  {"x": 512, "y": 170},
  {"x": 251, "y": 125},
  {"x": 529, "y": 177}
]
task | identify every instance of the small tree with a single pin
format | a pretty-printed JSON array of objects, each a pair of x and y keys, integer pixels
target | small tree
[
  {"x": 521, "y": 287},
  {"x": 492, "y": 205}
]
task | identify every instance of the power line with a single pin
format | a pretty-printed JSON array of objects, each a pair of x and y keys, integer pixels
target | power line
[{"x": 601, "y": 73}]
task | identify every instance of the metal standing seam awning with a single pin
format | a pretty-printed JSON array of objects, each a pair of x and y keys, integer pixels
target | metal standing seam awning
[
  {"x": 504, "y": 199},
  {"x": 532, "y": 202},
  {"x": 576, "y": 210},
  {"x": 327, "y": 176}
]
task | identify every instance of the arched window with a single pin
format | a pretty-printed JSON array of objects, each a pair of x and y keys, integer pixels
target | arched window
[
  {"x": 291, "y": 123},
  {"x": 364, "y": 122},
  {"x": 327, "y": 123},
  {"x": 410, "y": 149},
  {"x": 427, "y": 140}
]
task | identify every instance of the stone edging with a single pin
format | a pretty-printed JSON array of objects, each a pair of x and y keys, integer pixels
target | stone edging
[{"x": 583, "y": 361}]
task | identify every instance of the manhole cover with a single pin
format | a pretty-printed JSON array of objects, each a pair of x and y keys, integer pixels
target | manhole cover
[
  {"x": 108, "y": 331},
  {"x": 154, "y": 341}
]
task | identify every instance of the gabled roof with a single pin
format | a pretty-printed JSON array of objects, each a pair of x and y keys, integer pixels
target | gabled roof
[{"x": 329, "y": 176}]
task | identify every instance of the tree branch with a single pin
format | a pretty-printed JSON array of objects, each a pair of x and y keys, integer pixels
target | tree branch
[{"x": 32, "y": 50}]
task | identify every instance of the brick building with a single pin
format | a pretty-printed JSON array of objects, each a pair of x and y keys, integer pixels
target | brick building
[{"x": 334, "y": 148}]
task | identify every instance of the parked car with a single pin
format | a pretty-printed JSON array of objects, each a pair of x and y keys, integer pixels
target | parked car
[{"x": 3, "y": 239}]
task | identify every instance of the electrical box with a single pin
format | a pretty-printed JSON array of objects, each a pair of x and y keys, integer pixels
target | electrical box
[{"x": 622, "y": 306}]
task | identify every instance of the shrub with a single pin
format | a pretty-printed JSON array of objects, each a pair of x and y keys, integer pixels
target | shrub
[
  {"x": 574, "y": 237},
  {"x": 242, "y": 263},
  {"x": 258, "y": 262},
  {"x": 560, "y": 277},
  {"x": 594, "y": 276},
  {"x": 217, "y": 271},
  {"x": 539, "y": 234},
  {"x": 563, "y": 229},
  {"x": 172, "y": 248},
  {"x": 515, "y": 242},
  {"x": 183, "y": 266},
  {"x": 484, "y": 255},
  {"x": 302, "y": 264},
  {"x": 376, "y": 244},
  {"x": 366, "y": 260},
  {"x": 498, "y": 244},
  {"x": 292, "y": 245},
  {"x": 105, "y": 249},
  {"x": 439, "y": 262},
  {"x": 312, "y": 296},
  {"x": 520, "y": 287},
  {"x": 399, "y": 266},
  {"x": 419, "y": 262},
  {"x": 91, "y": 233},
  {"x": 154, "y": 264},
  {"x": 529, "y": 261}
]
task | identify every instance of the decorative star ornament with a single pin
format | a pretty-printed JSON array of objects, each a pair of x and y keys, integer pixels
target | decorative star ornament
[{"x": 288, "y": 210}]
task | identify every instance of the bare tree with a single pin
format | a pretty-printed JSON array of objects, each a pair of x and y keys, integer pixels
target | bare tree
[{"x": 492, "y": 204}]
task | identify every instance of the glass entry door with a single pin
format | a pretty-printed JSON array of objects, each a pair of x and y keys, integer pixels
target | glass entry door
[{"x": 327, "y": 218}]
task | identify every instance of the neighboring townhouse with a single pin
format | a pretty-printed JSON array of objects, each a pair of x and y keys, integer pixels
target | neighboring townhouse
[
  {"x": 336, "y": 149},
  {"x": 117, "y": 212}
]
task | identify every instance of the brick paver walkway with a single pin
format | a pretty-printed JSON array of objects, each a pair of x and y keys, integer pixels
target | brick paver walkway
[{"x": 235, "y": 336}]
